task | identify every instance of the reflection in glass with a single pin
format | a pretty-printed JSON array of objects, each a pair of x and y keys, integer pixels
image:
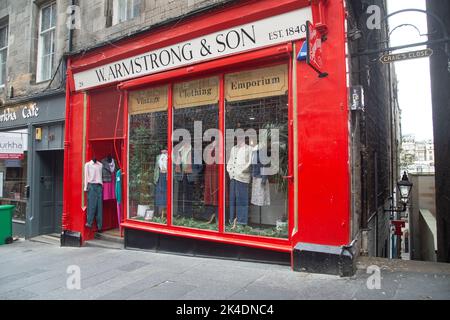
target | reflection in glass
[
  {"x": 195, "y": 172},
  {"x": 257, "y": 153},
  {"x": 148, "y": 167},
  {"x": 13, "y": 175},
  {"x": 195, "y": 181}
]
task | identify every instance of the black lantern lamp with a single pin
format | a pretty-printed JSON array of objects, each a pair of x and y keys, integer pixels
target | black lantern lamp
[{"x": 404, "y": 187}]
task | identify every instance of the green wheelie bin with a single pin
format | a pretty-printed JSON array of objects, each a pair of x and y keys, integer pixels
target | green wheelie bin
[{"x": 6, "y": 214}]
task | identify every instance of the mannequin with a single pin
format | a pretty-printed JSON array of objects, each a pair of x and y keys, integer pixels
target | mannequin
[
  {"x": 93, "y": 185},
  {"x": 260, "y": 184},
  {"x": 160, "y": 181},
  {"x": 109, "y": 178},
  {"x": 238, "y": 168}
]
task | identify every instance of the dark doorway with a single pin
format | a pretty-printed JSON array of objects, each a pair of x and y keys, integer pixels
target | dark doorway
[{"x": 50, "y": 191}]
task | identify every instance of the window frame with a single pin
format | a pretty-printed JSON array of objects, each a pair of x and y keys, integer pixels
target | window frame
[
  {"x": 170, "y": 82},
  {"x": 129, "y": 6},
  {"x": 41, "y": 34},
  {"x": 24, "y": 132},
  {"x": 5, "y": 48}
]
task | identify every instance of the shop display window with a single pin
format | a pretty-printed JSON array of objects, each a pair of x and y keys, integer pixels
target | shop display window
[
  {"x": 195, "y": 197},
  {"x": 254, "y": 191},
  {"x": 13, "y": 173},
  {"x": 148, "y": 155},
  {"x": 256, "y": 122}
]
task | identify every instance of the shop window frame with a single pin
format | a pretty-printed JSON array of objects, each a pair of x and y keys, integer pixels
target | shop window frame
[
  {"x": 22, "y": 200},
  {"x": 281, "y": 54}
]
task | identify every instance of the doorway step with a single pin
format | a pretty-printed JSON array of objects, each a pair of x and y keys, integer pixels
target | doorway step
[
  {"x": 110, "y": 239},
  {"x": 53, "y": 239}
]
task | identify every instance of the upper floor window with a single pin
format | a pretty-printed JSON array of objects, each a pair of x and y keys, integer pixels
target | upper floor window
[
  {"x": 46, "y": 46},
  {"x": 124, "y": 10},
  {"x": 3, "y": 53}
]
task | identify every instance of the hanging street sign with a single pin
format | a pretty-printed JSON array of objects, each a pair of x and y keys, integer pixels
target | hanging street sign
[
  {"x": 314, "y": 49},
  {"x": 390, "y": 58}
]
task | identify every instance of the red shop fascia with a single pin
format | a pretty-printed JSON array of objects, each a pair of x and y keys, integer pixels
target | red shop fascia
[{"x": 319, "y": 176}]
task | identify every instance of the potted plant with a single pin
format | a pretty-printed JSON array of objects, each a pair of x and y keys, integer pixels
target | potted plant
[{"x": 142, "y": 152}]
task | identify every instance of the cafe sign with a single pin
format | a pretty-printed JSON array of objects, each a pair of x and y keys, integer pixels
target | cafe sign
[
  {"x": 278, "y": 29},
  {"x": 21, "y": 112}
]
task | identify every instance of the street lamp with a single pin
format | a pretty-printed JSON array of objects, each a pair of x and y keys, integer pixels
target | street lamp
[{"x": 404, "y": 187}]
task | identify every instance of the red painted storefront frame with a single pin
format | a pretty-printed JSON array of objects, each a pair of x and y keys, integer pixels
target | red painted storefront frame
[{"x": 322, "y": 123}]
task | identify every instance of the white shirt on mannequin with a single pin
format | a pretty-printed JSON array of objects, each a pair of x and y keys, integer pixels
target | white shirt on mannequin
[
  {"x": 92, "y": 173},
  {"x": 238, "y": 165}
]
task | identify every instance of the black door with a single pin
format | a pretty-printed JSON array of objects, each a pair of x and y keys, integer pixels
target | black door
[{"x": 50, "y": 191}]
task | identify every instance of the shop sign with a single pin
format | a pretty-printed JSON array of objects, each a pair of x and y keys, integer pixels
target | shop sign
[
  {"x": 149, "y": 100},
  {"x": 196, "y": 93},
  {"x": 259, "y": 83},
  {"x": 263, "y": 33},
  {"x": 390, "y": 58},
  {"x": 314, "y": 47},
  {"x": 11, "y": 146},
  {"x": 22, "y": 112}
]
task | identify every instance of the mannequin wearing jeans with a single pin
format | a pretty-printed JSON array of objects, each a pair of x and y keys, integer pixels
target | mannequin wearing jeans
[
  {"x": 238, "y": 168},
  {"x": 93, "y": 184}
]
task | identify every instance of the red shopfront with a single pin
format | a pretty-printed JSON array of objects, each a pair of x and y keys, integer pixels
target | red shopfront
[{"x": 154, "y": 100}]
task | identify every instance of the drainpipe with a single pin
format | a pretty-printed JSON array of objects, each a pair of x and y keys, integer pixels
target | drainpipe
[
  {"x": 70, "y": 46},
  {"x": 65, "y": 219}
]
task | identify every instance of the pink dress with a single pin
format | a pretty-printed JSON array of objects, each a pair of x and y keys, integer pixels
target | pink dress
[{"x": 109, "y": 189}]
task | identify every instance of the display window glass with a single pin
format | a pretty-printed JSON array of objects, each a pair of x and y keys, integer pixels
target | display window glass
[
  {"x": 200, "y": 164},
  {"x": 195, "y": 197},
  {"x": 13, "y": 171},
  {"x": 148, "y": 155},
  {"x": 256, "y": 122}
]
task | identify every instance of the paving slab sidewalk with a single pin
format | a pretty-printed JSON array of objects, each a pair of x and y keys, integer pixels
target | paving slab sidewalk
[{"x": 33, "y": 270}]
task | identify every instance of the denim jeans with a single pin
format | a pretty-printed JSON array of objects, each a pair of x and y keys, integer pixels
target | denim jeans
[
  {"x": 238, "y": 202},
  {"x": 185, "y": 198},
  {"x": 95, "y": 205}
]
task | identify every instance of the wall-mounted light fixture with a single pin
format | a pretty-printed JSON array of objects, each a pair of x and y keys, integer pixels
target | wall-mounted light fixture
[{"x": 404, "y": 187}]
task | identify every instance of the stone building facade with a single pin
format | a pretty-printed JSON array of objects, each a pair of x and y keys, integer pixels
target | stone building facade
[
  {"x": 375, "y": 137},
  {"x": 22, "y": 19},
  {"x": 440, "y": 82}
]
